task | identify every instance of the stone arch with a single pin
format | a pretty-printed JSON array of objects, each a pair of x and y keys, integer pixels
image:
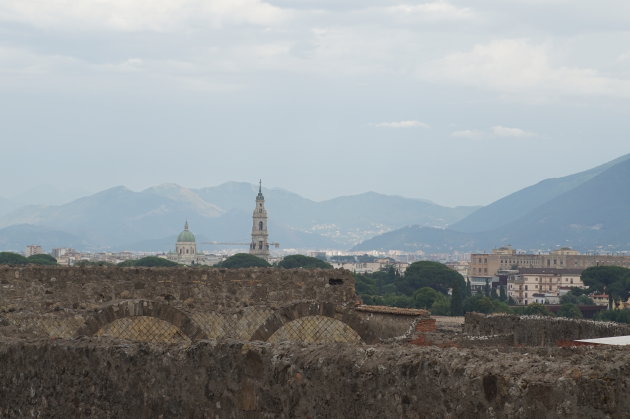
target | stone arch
[
  {"x": 145, "y": 308},
  {"x": 295, "y": 311}
]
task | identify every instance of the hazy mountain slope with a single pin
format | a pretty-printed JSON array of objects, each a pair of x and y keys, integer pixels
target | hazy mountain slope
[
  {"x": 6, "y": 206},
  {"x": 595, "y": 213},
  {"x": 520, "y": 203},
  {"x": 414, "y": 238}
]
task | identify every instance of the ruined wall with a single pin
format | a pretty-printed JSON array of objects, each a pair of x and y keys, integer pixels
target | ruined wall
[
  {"x": 539, "y": 331},
  {"x": 185, "y": 304},
  {"x": 92, "y": 378},
  {"x": 44, "y": 288}
]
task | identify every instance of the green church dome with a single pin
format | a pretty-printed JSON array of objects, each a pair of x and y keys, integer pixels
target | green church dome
[{"x": 186, "y": 236}]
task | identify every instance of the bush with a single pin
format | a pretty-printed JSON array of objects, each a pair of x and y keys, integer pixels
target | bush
[
  {"x": 619, "y": 316},
  {"x": 425, "y": 297},
  {"x": 441, "y": 306},
  {"x": 570, "y": 311}
]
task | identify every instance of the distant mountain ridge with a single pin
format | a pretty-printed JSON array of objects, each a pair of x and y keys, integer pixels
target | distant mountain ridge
[
  {"x": 121, "y": 219},
  {"x": 587, "y": 211},
  {"x": 520, "y": 203}
]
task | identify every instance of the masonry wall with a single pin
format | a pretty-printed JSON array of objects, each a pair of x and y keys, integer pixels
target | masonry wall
[
  {"x": 540, "y": 331},
  {"x": 89, "y": 378},
  {"x": 45, "y": 288}
]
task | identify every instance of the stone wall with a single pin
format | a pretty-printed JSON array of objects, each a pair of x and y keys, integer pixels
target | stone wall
[
  {"x": 539, "y": 331},
  {"x": 211, "y": 289},
  {"x": 103, "y": 379},
  {"x": 186, "y": 304}
]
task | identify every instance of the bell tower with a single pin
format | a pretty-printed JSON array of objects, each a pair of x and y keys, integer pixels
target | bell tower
[{"x": 260, "y": 245}]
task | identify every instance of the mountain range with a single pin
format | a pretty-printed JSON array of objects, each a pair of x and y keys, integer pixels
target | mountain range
[
  {"x": 121, "y": 219},
  {"x": 586, "y": 211}
]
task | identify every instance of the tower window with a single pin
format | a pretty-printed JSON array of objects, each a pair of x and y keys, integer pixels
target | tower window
[
  {"x": 260, "y": 244},
  {"x": 260, "y": 225}
]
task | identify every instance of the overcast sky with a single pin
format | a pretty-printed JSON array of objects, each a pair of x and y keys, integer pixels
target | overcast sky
[{"x": 459, "y": 102}]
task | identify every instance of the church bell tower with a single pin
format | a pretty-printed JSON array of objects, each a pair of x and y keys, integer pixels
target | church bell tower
[{"x": 260, "y": 245}]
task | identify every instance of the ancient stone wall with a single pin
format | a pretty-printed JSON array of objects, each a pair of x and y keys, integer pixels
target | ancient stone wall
[
  {"x": 44, "y": 288},
  {"x": 539, "y": 331},
  {"x": 186, "y": 305},
  {"x": 103, "y": 379}
]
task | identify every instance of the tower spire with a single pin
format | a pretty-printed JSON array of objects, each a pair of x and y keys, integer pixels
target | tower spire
[{"x": 259, "y": 185}]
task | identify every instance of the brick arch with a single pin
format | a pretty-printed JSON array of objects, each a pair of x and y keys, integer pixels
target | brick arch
[
  {"x": 299, "y": 310},
  {"x": 133, "y": 308}
]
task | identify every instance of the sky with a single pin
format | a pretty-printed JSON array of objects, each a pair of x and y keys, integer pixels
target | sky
[{"x": 458, "y": 102}]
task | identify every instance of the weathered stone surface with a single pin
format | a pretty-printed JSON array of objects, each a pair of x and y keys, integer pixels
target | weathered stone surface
[
  {"x": 539, "y": 331},
  {"x": 200, "y": 303},
  {"x": 103, "y": 378}
]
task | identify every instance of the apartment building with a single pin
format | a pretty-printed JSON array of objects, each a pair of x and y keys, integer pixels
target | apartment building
[
  {"x": 542, "y": 285},
  {"x": 486, "y": 265}
]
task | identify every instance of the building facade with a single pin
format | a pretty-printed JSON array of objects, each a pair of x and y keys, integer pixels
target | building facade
[
  {"x": 260, "y": 237},
  {"x": 542, "y": 285},
  {"x": 486, "y": 265}
]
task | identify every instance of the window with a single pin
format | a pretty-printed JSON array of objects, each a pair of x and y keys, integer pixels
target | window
[
  {"x": 260, "y": 244},
  {"x": 260, "y": 225}
]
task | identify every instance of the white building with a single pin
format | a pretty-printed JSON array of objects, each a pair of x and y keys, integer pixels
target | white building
[{"x": 532, "y": 285}]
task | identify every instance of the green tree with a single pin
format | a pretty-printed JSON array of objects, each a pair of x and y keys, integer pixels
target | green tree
[
  {"x": 425, "y": 297},
  {"x": 468, "y": 289},
  {"x": 41, "y": 259},
  {"x": 479, "y": 304},
  {"x": 570, "y": 311},
  {"x": 305, "y": 262},
  {"x": 10, "y": 258},
  {"x": 243, "y": 260},
  {"x": 457, "y": 299},
  {"x": 611, "y": 280},
  {"x": 429, "y": 274},
  {"x": 620, "y": 316},
  {"x": 441, "y": 306}
]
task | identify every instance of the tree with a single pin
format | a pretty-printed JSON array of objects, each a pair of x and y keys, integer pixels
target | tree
[
  {"x": 468, "y": 289},
  {"x": 457, "y": 299},
  {"x": 441, "y": 306},
  {"x": 243, "y": 260},
  {"x": 620, "y": 316},
  {"x": 305, "y": 262},
  {"x": 611, "y": 280},
  {"x": 10, "y": 258},
  {"x": 479, "y": 304},
  {"x": 41, "y": 259},
  {"x": 425, "y": 297},
  {"x": 570, "y": 311},
  {"x": 149, "y": 262},
  {"x": 429, "y": 274}
]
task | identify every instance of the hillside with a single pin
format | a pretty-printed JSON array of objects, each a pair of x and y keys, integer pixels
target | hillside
[
  {"x": 586, "y": 211},
  {"x": 514, "y": 206}
]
